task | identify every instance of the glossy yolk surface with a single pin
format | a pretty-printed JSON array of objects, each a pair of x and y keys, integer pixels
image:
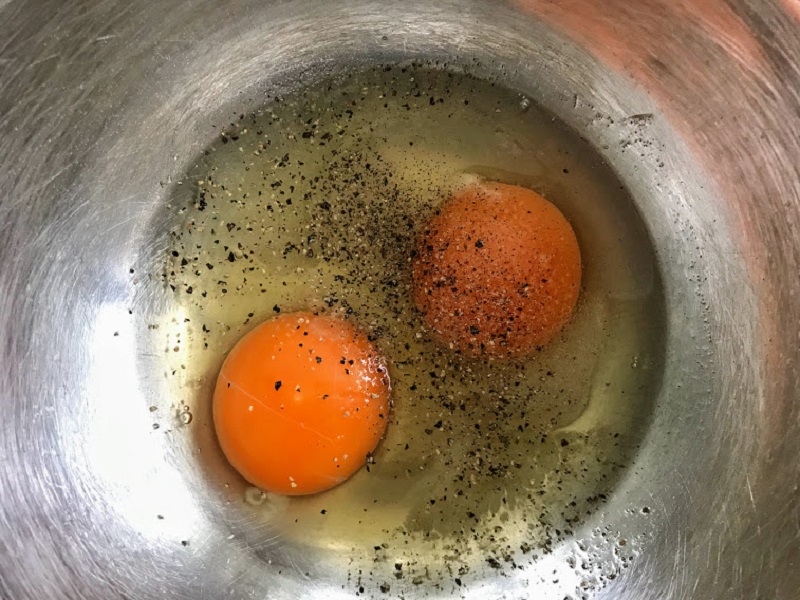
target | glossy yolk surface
[
  {"x": 497, "y": 270},
  {"x": 300, "y": 402}
]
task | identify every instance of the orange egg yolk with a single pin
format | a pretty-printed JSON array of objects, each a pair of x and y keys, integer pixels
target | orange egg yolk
[
  {"x": 300, "y": 403},
  {"x": 497, "y": 270}
]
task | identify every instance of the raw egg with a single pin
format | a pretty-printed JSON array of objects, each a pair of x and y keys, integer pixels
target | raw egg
[
  {"x": 497, "y": 270},
  {"x": 300, "y": 403}
]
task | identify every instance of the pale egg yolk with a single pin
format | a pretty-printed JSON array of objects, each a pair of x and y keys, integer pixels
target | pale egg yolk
[
  {"x": 300, "y": 403},
  {"x": 497, "y": 270}
]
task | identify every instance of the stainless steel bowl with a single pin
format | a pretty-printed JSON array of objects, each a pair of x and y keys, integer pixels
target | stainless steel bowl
[{"x": 103, "y": 103}]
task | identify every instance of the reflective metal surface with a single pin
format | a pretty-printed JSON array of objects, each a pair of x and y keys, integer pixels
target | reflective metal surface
[{"x": 694, "y": 104}]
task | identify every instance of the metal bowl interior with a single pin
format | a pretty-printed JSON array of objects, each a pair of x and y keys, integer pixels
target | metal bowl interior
[{"x": 103, "y": 104}]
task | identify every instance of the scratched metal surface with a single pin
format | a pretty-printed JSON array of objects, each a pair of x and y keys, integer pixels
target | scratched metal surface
[{"x": 101, "y": 101}]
